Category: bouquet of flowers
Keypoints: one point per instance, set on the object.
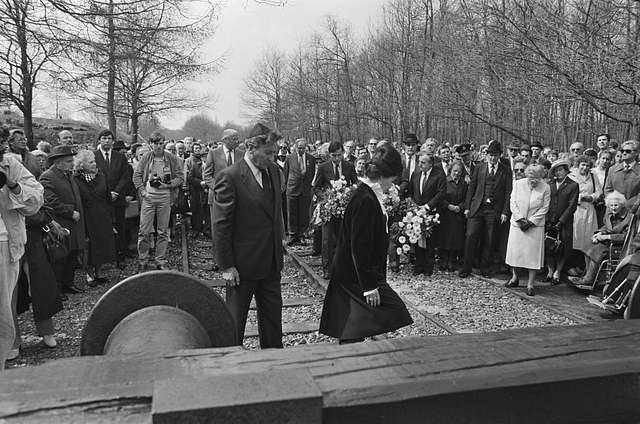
(416, 227)
(392, 201)
(333, 202)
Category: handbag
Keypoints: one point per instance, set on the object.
(55, 247)
(552, 245)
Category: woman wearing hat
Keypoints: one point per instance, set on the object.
(585, 222)
(359, 303)
(563, 204)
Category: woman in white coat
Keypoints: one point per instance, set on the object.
(529, 205)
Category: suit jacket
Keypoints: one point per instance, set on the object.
(247, 233)
(297, 183)
(216, 162)
(563, 204)
(501, 193)
(325, 174)
(434, 188)
(116, 173)
(62, 195)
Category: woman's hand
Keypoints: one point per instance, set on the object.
(373, 298)
(58, 230)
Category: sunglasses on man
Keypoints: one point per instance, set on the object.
(628, 151)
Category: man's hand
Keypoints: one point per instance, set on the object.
(75, 216)
(503, 218)
(466, 213)
(128, 198)
(231, 276)
(203, 184)
(114, 196)
(373, 298)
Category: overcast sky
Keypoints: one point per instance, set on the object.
(246, 28)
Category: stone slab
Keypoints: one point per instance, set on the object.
(279, 396)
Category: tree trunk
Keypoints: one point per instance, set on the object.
(27, 83)
(111, 73)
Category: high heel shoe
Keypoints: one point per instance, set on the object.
(530, 291)
(512, 283)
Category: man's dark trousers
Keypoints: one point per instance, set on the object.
(298, 215)
(425, 259)
(268, 304)
(482, 225)
(119, 224)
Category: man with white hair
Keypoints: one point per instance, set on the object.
(217, 159)
(624, 177)
(349, 150)
(65, 137)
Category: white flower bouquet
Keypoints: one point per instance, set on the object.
(416, 227)
(333, 202)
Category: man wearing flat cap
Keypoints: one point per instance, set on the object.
(486, 207)
(227, 154)
(62, 195)
(248, 230)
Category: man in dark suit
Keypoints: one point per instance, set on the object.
(248, 230)
(62, 196)
(299, 169)
(428, 186)
(409, 162)
(486, 207)
(333, 169)
(225, 155)
(113, 165)
(463, 152)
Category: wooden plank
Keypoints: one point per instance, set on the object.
(287, 328)
(511, 371)
(291, 302)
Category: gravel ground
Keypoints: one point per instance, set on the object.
(469, 305)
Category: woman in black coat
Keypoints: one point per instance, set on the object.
(450, 233)
(359, 303)
(563, 204)
(37, 282)
(96, 205)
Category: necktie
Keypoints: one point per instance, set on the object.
(493, 170)
(336, 172)
(265, 179)
(108, 160)
(301, 163)
(626, 167)
(229, 160)
(422, 178)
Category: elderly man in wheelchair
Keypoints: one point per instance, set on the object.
(621, 293)
(602, 257)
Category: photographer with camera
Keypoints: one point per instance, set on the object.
(157, 178)
(20, 195)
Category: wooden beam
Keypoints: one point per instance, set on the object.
(583, 373)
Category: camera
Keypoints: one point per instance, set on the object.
(155, 181)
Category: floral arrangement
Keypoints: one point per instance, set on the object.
(333, 202)
(392, 201)
(416, 227)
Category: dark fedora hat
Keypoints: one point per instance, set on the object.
(410, 138)
(525, 147)
(537, 144)
(495, 148)
(60, 151)
(514, 145)
(463, 149)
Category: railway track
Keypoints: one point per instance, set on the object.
(302, 296)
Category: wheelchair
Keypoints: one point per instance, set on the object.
(606, 269)
(621, 292)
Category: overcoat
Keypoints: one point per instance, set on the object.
(360, 265)
(563, 204)
(525, 249)
(116, 173)
(450, 232)
(96, 202)
(61, 194)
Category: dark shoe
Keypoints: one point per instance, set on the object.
(63, 297)
(101, 280)
(121, 265)
(512, 283)
(417, 271)
(530, 291)
(486, 272)
(92, 282)
(555, 281)
(547, 279)
(463, 273)
(71, 289)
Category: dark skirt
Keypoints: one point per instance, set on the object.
(102, 246)
(42, 289)
(449, 235)
(347, 316)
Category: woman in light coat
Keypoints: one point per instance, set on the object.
(585, 221)
(529, 205)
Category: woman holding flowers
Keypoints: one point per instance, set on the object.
(529, 205)
(359, 303)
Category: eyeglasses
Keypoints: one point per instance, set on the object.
(575, 150)
(519, 169)
(629, 151)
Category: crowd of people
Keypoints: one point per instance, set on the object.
(501, 210)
